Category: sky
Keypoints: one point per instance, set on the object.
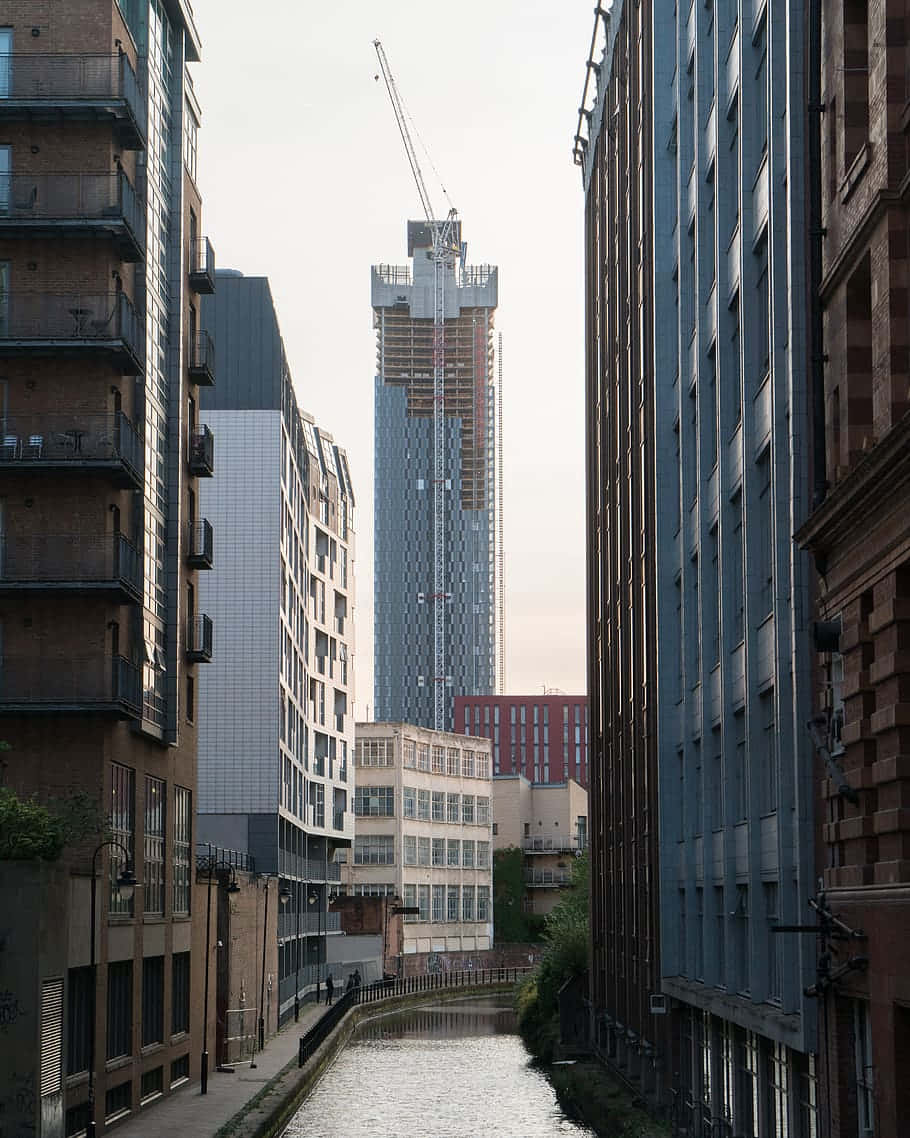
(304, 180)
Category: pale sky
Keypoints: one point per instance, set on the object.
(305, 181)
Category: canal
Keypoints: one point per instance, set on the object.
(454, 1070)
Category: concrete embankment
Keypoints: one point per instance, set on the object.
(269, 1112)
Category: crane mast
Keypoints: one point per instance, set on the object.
(444, 253)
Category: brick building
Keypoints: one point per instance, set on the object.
(544, 737)
(101, 264)
(859, 533)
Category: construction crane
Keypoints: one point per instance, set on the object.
(445, 252)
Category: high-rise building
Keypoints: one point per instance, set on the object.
(544, 737)
(859, 534)
(408, 543)
(276, 724)
(423, 834)
(101, 266)
(698, 440)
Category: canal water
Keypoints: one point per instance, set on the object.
(454, 1070)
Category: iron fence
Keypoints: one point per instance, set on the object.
(69, 438)
(75, 682)
(90, 317)
(70, 558)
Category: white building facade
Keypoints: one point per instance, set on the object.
(424, 832)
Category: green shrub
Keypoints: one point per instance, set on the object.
(30, 831)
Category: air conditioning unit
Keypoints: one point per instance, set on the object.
(659, 1004)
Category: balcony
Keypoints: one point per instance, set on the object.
(311, 924)
(72, 324)
(338, 819)
(70, 441)
(312, 869)
(199, 639)
(48, 205)
(551, 843)
(547, 878)
(43, 685)
(200, 545)
(71, 563)
(201, 362)
(202, 453)
(85, 88)
(202, 266)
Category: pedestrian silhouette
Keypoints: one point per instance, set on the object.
(329, 988)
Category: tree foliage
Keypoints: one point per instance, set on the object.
(30, 831)
(511, 924)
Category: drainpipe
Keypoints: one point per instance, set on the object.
(815, 109)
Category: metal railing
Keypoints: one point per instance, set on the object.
(201, 361)
(202, 452)
(551, 843)
(292, 865)
(475, 276)
(67, 438)
(202, 265)
(70, 558)
(311, 924)
(47, 682)
(199, 638)
(547, 878)
(393, 274)
(69, 80)
(94, 317)
(201, 543)
(72, 197)
(208, 855)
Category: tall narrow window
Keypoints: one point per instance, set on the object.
(760, 98)
(769, 752)
(762, 329)
(152, 1000)
(183, 830)
(742, 771)
(737, 577)
(123, 825)
(765, 528)
(180, 993)
(119, 1009)
(80, 993)
(865, 1072)
(153, 870)
(6, 177)
(6, 62)
(856, 78)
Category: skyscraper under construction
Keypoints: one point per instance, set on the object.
(436, 574)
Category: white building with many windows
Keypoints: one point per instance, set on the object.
(423, 832)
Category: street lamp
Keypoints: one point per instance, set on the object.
(297, 952)
(233, 887)
(126, 886)
(284, 896)
(312, 899)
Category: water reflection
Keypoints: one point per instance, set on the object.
(444, 1071)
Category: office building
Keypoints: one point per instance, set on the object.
(423, 833)
(544, 737)
(104, 641)
(859, 536)
(408, 543)
(276, 726)
(548, 822)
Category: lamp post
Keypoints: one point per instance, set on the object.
(297, 900)
(233, 887)
(312, 899)
(283, 896)
(126, 887)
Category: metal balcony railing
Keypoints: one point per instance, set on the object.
(72, 562)
(291, 865)
(40, 323)
(35, 86)
(199, 639)
(551, 843)
(72, 440)
(38, 684)
(202, 452)
(202, 266)
(547, 878)
(201, 363)
(201, 544)
(48, 204)
(393, 274)
(311, 924)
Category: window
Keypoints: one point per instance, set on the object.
(123, 824)
(423, 805)
(410, 902)
(765, 567)
(408, 802)
(119, 1009)
(79, 995)
(865, 1072)
(190, 700)
(118, 1101)
(483, 855)
(180, 1070)
(190, 143)
(439, 851)
(423, 851)
(5, 176)
(374, 849)
(317, 803)
(774, 943)
(180, 993)
(152, 1000)
(467, 764)
(742, 770)
(409, 753)
(737, 577)
(374, 801)
(423, 756)
(769, 753)
(482, 764)
(467, 855)
(439, 760)
(467, 902)
(439, 903)
(453, 807)
(183, 823)
(454, 851)
(153, 872)
(467, 809)
(377, 753)
(760, 101)
(483, 811)
(452, 899)
(483, 902)
(409, 849)
(6, 50)
(762, 331)
(151, 1085)
(453, 762)
(423, 902)
(439, 806)
(856, 78)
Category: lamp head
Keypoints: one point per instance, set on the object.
(126, 883)
(284, 895)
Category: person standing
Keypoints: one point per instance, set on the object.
(329, 988)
